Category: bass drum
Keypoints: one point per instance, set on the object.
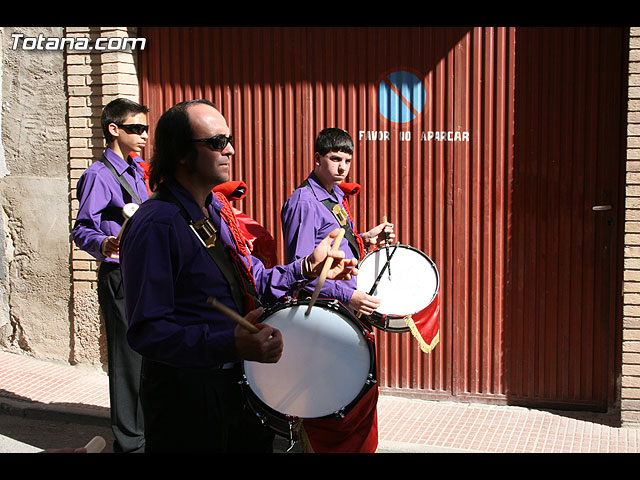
(327, 365)
(408, 285)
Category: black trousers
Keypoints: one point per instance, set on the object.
(124, 364)
(198, 411)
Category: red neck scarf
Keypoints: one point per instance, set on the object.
(352, 189)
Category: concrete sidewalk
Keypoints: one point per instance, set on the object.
(9, 445)
(405, 425)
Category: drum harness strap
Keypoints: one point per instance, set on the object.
(121, 180)
(342, 214)
(238, 276)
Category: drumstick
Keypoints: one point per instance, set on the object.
(95, 445)
(233, 315)
(127, 212)
(384, 267)
(325, 270)
(386, 243)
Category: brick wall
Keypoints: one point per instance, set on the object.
(630, 382)
(94, 78)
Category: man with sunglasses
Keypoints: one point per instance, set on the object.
(112, 181)
(181, 248)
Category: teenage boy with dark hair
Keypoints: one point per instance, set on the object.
(317, 206)
(115, 179)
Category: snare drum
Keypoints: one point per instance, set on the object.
(412, 287)
(327, 365)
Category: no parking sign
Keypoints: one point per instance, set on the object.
(401, 96)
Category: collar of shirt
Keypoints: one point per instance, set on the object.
(321, 193)
(212, 204)
(187, 201)
(121, 165)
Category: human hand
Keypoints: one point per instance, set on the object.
(377, 235)
(264, 346)
(340, 269)
(110, 247)
(363, 303)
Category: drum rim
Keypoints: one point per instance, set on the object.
(372, 378)
(429, 259)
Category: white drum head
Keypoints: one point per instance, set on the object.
(413, 285)
(324, 366)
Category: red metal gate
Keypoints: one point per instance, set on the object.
(449, 165)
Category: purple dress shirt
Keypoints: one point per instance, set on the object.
(101, 199)
(305, 223)
(168, 277)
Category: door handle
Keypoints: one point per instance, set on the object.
(601, 208)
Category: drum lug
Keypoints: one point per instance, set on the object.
(292, 441)
(243, 380)
(339, 413)
(371, 380)
(262, 419)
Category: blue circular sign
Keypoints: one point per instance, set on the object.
(401, 96)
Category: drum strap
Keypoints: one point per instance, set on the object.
(243, 291)
(342, 216)
(123, 182)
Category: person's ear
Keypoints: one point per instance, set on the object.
(114, 130)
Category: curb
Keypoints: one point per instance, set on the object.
(94, 416)
(59, 412)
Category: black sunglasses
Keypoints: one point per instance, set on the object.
(134, 128)
(217, 142)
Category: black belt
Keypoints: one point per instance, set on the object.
(164, 368)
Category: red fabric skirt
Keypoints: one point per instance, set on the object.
(357, 432)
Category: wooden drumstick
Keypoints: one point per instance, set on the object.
(127, 212)
(95, 445)
(325, 271)
(233, 315)
(386, 245)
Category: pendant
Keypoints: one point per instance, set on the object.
(206, 232)
(340, 214)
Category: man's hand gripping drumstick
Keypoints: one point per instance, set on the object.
(261, 342)
(326, 267)
(333, 265)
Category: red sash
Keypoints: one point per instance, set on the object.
(357, 432)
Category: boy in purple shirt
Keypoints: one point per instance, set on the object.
(306, 218)
(315, 208)
(103, 189)
(182, 247)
